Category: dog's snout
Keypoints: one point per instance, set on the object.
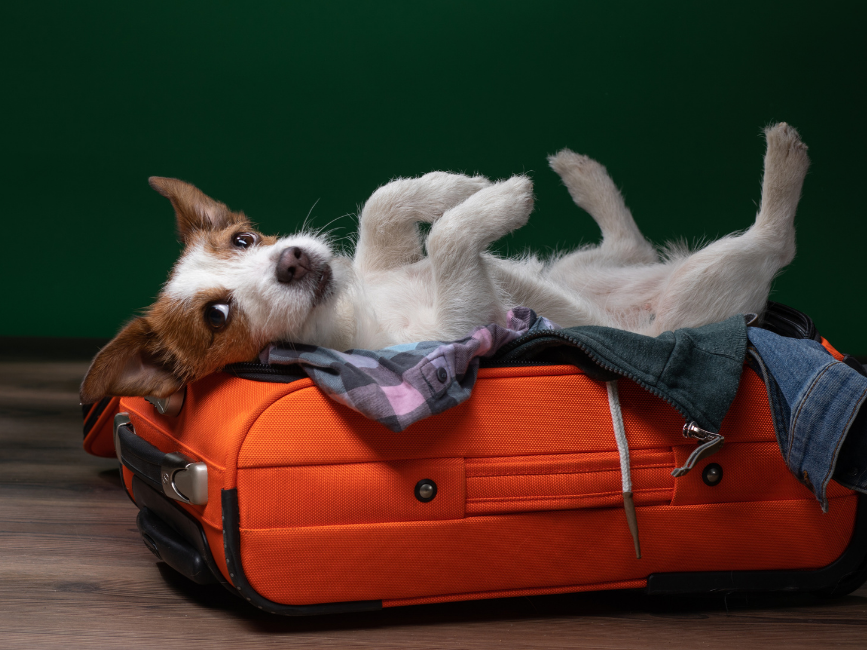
(293, 264)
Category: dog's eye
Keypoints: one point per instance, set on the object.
(244, 239)
(217, 315)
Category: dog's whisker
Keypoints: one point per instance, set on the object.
(306, 218)
(318, 231)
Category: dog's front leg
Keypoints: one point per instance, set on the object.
(593, 190)
(388, 234)
(466, 295)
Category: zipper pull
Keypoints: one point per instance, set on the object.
(709, 443)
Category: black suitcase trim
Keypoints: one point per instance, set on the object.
(844, 575)
(91, 413)
(232, 543)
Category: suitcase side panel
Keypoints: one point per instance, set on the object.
(394, 561)
(761, 519)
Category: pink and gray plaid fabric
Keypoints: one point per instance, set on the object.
(405, 383)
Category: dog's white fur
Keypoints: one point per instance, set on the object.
(395, 294)
(390, 292)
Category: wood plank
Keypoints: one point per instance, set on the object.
(75, 574)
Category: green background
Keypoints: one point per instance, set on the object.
(273, 107)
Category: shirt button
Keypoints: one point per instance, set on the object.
(442, 375)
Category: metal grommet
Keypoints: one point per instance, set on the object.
(442, 375)
(712, 474)
(425, 490)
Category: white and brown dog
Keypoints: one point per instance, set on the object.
(234, 290)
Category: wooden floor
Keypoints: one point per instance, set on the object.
(74, 573)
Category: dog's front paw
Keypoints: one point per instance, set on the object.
(506, 205)
(517, 195)
(442, 191)
(484, 217)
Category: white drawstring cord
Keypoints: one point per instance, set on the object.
(625, 473)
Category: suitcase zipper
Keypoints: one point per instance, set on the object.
(709, 443)
(250, 367)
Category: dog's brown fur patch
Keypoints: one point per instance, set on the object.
(156, 354)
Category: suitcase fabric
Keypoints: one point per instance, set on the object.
(312, 508)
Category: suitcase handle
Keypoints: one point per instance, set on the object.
(167, 545)
(173, 474)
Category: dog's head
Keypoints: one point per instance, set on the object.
(231, 292)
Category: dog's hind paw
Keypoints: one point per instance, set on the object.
(785, 147)
(567, 161)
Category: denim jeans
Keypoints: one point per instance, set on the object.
(815, 400)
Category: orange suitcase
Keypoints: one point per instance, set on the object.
(303, 506)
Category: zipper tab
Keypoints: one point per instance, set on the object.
(709, 443)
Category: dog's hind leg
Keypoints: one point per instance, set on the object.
(593, 190)
(388, 233)
(733, 275)
(465, 293)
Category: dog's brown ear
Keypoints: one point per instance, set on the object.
(194, 209)
(126, 367)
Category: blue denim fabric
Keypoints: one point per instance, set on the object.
(814, 400)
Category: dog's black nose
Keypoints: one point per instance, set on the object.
(292, 265)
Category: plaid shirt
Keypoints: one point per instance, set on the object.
(405, 383)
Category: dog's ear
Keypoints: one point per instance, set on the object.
(126, 367)
(194, 209)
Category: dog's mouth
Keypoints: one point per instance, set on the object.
(324, 286)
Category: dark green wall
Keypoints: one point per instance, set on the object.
(273, 107)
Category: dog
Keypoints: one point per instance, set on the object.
(234, 290)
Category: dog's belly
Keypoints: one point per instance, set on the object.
(404, 305)
(624, 297)
(622, 292)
